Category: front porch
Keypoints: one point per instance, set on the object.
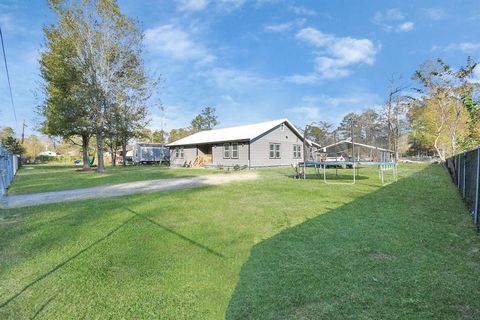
(204, 156)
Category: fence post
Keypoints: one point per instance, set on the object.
(457, 171)
(464, 192)
(475, 212)
(3, 184)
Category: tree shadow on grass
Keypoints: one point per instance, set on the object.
(43, 306)
(80, 218)
(181, 236)
(398, 252)
(61, 264)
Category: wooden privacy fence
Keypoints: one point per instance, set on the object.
(8, 169)
(465, 171)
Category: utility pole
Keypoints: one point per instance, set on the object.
(305, 143)
(353, 143)
(23, 131)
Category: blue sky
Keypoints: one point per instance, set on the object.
(261, 60)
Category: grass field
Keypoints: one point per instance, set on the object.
(42, 178)
(274, 248)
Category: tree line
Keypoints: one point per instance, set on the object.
(439, 116)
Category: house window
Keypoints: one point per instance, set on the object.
(226, 150)
(274, 150)
(235, 150)
(179, 152)
(297, 151)
(282, 127)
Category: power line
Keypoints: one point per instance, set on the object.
(8, 78)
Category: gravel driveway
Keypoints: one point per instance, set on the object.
(33, 199)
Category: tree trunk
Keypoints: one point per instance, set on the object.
(86, 162)
(101, 163)
(114, 156)
(435, 144)
(124, 152)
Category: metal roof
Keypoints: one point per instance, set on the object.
(358, 144)
(240, 133)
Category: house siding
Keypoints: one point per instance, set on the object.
(259, 148)
(253, 154)
(189, 154)
(217, 151)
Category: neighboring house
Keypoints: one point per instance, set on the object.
(266, 144)
(48, 154)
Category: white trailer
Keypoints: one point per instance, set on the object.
(150, 153)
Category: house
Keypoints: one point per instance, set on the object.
(265, 144)
(47, 154)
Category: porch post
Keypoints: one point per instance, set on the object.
(248, 154)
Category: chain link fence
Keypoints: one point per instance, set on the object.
(465, 171)
(8, 169)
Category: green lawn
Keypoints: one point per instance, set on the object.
(41, 178)
(274, 248)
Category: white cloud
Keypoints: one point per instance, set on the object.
(314, 37)
(434, 13)
(302, 11)
(392, 20)
(192, 5)
(230, 4)
(338, 54)
(467, 47)
(388, 15)
(303, 79)
(199, 5)
(331, 68)
(332, 108)
(174, 42)
(234, 80)
(406, 26)
(279, 27)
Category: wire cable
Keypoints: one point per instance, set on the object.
(8, 78)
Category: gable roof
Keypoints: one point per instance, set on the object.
(240, 133)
